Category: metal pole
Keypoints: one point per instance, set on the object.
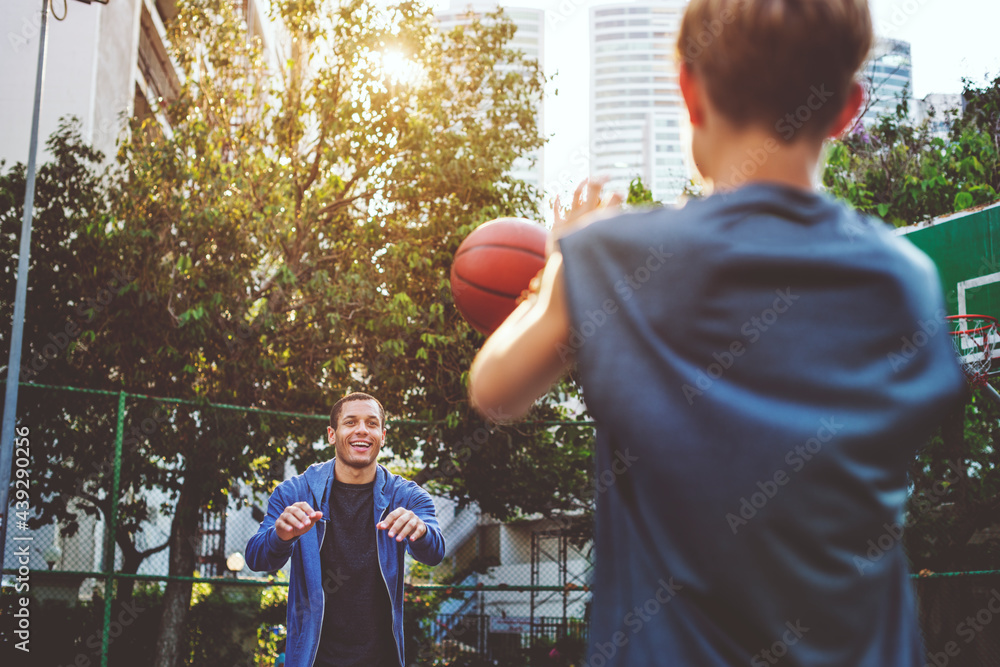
(20, 295)
(990, 393)
(564, 575)
(109, 537)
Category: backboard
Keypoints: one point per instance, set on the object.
(966, 249)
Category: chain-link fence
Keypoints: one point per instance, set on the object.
(112, 505)
(960, 618)
(122, 490)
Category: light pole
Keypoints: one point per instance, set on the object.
(20, 294)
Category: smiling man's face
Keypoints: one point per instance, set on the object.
(359, 434)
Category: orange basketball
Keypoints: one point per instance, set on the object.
(493, 266)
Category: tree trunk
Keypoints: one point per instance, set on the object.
(177, 598)
(131, 560)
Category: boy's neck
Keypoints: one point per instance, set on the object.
(749, 156)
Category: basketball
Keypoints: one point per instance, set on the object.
(492, 266)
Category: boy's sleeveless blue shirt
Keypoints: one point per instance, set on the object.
(762, 366)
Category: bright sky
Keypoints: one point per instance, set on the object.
(950, 39)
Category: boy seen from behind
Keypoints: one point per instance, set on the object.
(743, 350)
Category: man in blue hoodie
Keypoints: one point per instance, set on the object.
(345, 598)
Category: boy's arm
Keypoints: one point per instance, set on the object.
(530, 351)
(527, 354)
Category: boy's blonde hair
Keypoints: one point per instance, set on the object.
(781, 64)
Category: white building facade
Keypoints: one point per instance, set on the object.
(887, 77)
(636, 108)
(104, 65)
(530, 40)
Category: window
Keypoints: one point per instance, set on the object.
(632, 92)
(618, 117)
(603, 71)
(637, 46)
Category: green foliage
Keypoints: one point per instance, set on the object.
(906, 174)
(955, 494)
(420, 617)
(222, 626)
(288, 240)
(227, 625)
(639, 194)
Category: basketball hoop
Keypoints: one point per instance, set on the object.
(976, 341)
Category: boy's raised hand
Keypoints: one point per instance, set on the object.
(297, 519)
(586, 201)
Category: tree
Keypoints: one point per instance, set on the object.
(319, 209)
(70, 211)
(905, 174)
(288, 239)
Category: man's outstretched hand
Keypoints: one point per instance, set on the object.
(297, 519)
(403, 524)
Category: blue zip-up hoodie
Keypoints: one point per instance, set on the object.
(266, 552)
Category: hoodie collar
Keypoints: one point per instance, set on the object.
(321, 480)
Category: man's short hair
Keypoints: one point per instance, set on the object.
(761, 60)
(355, 396)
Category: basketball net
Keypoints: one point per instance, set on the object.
(976, 341)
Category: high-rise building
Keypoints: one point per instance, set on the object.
(530, 39)
(636, 109)
(887, 77)
(105, 64)
(939, 109)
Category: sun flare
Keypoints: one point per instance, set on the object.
(398, 68)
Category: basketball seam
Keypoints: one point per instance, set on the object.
(499, 245)
(487, 289)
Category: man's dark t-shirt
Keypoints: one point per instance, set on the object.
(357, 619)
